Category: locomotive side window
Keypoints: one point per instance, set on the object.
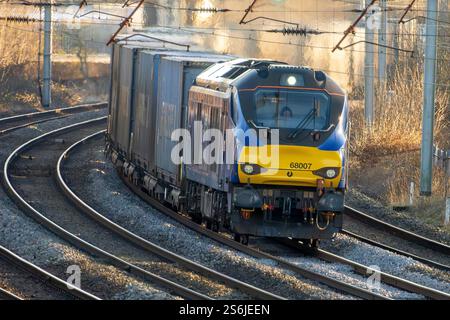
(235, 111)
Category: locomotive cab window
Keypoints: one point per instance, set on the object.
(289, 109)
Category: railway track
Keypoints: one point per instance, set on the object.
(358, 268)
(9, 124)
(6, 295)
(66, 227)
(29, 279)
(384, 277)
(27, 274)
(362, 293)
(328, 281)
(427, 251)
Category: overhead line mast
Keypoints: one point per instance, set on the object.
(426, 165)
(125, 22)
(47, 76)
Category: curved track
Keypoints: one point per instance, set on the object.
(361, 269)
(6, 295)
(114, 260)
(58, 288)
(9, 124)
(429, 262)
(384, 277)
(332, 283)
(425, 250)
(394, 281)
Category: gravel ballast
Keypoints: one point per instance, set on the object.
(388, 262)
(364, 203)
(33, 242)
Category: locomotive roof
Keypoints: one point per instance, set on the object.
(252, 73)
(197, 59)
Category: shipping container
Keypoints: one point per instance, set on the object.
(176, 75)
(121, 123)
(145, 103)
(114, 91)
(123, 80)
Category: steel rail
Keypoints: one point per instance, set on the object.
(17, 127)
(402, 233)
(384, 277)
(73, 239)
(150, 246)
(428, 262)
(6, 295)
(35, 115)
(43, 116)
(44, 276)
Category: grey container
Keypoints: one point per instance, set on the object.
(145, 105)
(176, 75)
(145, 102)
(122, 91)
(114, 92)
(122, 98)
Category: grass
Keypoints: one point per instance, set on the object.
(385, 158)
(19, 91)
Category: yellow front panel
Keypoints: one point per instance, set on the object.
(284, 169)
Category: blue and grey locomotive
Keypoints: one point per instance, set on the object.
(279, 132)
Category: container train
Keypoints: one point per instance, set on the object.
(283, 172)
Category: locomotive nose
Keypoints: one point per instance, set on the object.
(293, 165)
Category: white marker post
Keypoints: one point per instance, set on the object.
(411, 193)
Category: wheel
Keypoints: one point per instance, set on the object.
(244, 239)
(215, 226)
(197, 218)
(237, 237)
(208, 224)
(314, 244)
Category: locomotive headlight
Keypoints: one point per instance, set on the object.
(327, 173)
(291, 80)
(331, 173)
(252, 169)
(248, 169)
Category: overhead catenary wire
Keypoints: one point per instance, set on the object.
(377, 44)
(314, 32)
(166, 7)
(187, 29)
(351, 28)
(250, 38)
(125, 22)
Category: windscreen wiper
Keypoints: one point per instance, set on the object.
(302, 124)
(257, 126)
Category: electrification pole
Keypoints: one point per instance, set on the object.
(47, 88)
(426, 166)
(369, 71)
(382, 40)
(395, 42)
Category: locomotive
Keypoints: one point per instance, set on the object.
(279, 134)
